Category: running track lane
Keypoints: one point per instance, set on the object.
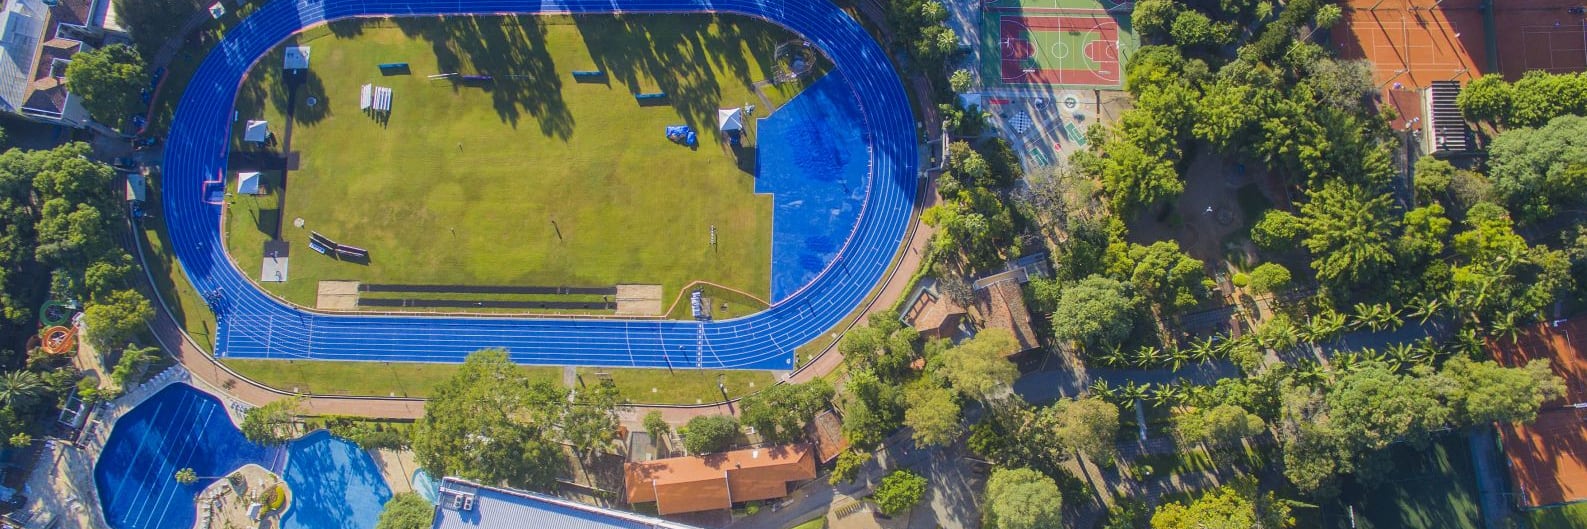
(255, 325)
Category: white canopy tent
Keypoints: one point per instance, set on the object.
(366, 95)
(248, 183)
(730, 119)
(257, 132)
(296, 58)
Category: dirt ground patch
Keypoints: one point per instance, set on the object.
(1207, 213)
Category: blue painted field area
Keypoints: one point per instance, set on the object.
(814, 159)
(334, 483)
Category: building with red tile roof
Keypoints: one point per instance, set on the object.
(718, 481)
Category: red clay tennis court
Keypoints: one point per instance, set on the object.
(1540, 35)
(1411, 43)
(1549, 457)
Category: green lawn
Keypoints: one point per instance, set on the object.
(534, 179)
(361, 378)
(1427, 489)
(680, 386)
(1573, 516)
(817, 523)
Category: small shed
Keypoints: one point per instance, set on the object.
(216, 10)
(296, 58)
(729, 119)
(248, 183)
(257, 131)
(136, 188)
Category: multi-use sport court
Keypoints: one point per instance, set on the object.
(850, 257)
(1073, 43)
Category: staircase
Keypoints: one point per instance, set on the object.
(1449, 130)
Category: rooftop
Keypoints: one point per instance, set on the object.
(717, 481)
(1000, 303)
(500, 508)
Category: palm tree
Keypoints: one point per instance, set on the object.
(1424, 308)
(1148, 356)
(1115, 357)
(1177, 357)
(186, 476)
(1100, 389)
(20, 387)
(1168, 395)
(1133, 392)
(1310, 372)
(1428, 349)
(1325, 325)
(1506, 326)
(1204, 350)
(1402, 353)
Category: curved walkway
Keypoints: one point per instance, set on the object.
(254, 324)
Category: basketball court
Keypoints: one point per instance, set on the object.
(1549, 456)
(1070, 43)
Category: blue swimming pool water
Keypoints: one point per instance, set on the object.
(813, 158)
(177, 428)
(335, 484)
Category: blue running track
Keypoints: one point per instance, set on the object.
(252, 324)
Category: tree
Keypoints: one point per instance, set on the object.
(1498, 278)
(406, 511)
(1537, 171)
(490, 423)
(1167, 276)
(1133, 176)
(1238, 506)
(1021, 498)
(1433, 177)
(1372, 406)
(1423, 238)
(185, 476)
(20, 389)
(271, 424)
(117, 319)
(107, 80)
(871, 408)
(1484, 392)
(848, 466)
(707, 434)
(932, 411)
(1097, 312)
(961, 80)
(589, 422)
(1277, 231)
(1221, 425)
(1348, 232)
(131, 364)
(1328, 15)
(1087, 426)
(980, 365)
(1539, 96)
(899, 491)
(1268, 277)
(655, 425)
(780, 412)
(1153, 17)
(1486, 99)
(1192, 29)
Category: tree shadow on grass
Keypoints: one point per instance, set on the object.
(510, 49)
(676, 54)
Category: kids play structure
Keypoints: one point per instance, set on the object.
(881, 143)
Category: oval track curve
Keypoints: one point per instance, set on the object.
(253, 324)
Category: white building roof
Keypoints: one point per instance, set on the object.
(730, 119)
(296, 58)
(248, 183)
(258, 131)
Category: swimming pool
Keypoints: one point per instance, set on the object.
(335, 484)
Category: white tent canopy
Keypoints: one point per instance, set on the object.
(296, 58)
(136, 190)
(366, 96)
(730, 119)
(248, 183)
(258, 131)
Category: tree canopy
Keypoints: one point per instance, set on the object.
(1537, 171)
(271, 424)
(108, 80)
(707, 434)
(1021, 498)
(489, 422)
(1096, 312)
(899, 490)
(1238, 506)
(406, 511)
(932, 412)
(980, 365)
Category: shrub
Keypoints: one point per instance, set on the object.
(899, 491)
